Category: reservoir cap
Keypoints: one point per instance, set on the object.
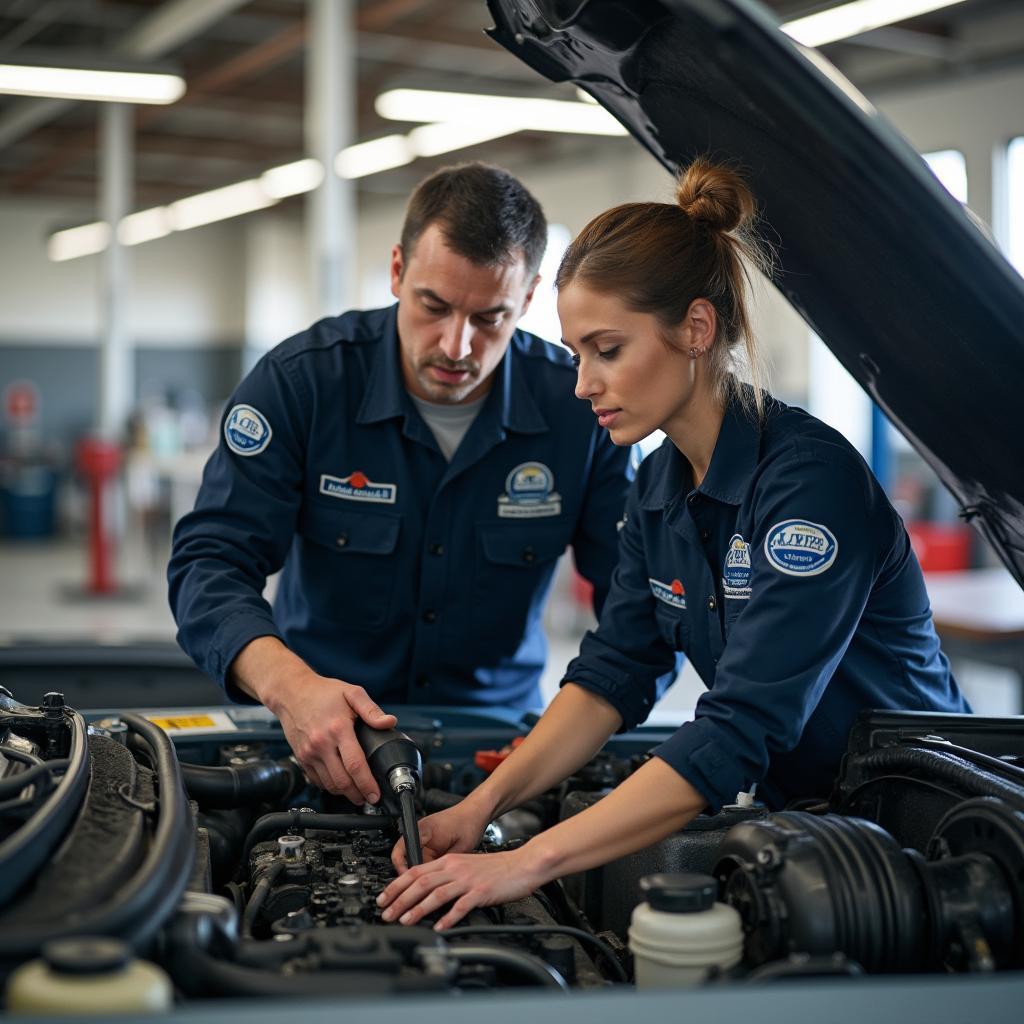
(679, 892)
(86, 955)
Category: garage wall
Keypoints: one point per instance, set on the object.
(187, 314)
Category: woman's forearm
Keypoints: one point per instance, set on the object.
(652, 803)
(570, 732)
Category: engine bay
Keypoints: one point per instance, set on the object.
(189, 844)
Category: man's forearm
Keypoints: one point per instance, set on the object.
(263, 667)
(570, 732)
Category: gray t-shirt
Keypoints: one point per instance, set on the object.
(448, 423)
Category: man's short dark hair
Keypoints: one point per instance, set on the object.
(485, 215)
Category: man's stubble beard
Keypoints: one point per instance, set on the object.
(449, 394)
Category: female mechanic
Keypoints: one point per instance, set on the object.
(755, 540)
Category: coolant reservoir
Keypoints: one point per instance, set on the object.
(88, 975)
(680, 933)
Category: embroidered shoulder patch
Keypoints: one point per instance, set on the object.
(799, 548)
(246, 430)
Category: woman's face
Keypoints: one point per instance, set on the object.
(636, 383)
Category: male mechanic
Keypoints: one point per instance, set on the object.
(416, 471)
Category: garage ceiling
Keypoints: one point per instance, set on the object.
(244, 65)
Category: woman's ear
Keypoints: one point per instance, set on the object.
(701, 323)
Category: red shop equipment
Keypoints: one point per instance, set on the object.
(941, 547)
(99, 462)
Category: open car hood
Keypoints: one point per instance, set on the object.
(882, 263)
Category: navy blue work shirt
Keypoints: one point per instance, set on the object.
(419, 579)
(789, 581)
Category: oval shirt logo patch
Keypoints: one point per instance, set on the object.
(246, 430)
(799, 548)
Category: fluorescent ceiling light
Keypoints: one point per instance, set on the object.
(854, 18)
(293, 179)
(219, 204)
(144, 226)
(371, 157)
(81, 241)
(279, 182)
(434, 139)
(89, 84)
(474, 108)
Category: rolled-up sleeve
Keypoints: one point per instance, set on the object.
(240, 529)
(624, 657)
(790, 636)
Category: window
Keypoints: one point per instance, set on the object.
(1015, 203)
(949, 166)
(542, 316)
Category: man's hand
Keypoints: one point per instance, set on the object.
(455, 830)
(317, 714)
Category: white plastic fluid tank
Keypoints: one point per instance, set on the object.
(679, 933)
(88, 975)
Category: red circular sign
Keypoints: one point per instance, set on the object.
(21, 403)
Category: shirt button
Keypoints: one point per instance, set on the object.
(342, 540)
(421, 682)
(705, 536)
(430, 615)
(529, 555)
(712, 602)
(436, 549)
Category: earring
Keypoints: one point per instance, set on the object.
(694, 351)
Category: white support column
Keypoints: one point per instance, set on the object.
(330, 126)
(117, 369)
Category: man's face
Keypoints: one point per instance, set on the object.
(455, 318)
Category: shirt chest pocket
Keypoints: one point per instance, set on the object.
(349, 562)
(673, 625)
(733, 609)
(513, 564)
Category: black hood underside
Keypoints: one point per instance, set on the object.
(881, 262)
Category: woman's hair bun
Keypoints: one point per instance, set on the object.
(716, 195)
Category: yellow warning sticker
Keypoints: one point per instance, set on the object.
(184, 722)
(193, 721)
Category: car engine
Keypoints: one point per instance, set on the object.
(200, 857)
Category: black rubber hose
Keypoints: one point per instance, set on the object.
(150, 896)
(29, 847)
(974, 756)
(281, 822)
(435, 800)
(410, 828)
(578, 934)
(948, 767)
(200, 974)
(14, 784)
(227, 786)
(259, 897)
(20, 755)
(525, 965)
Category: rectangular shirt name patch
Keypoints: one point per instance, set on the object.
(356, 487)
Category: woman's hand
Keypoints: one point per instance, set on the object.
(455, 830)
(469, 879)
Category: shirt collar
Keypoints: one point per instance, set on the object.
(386, 396)
(732, 464)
